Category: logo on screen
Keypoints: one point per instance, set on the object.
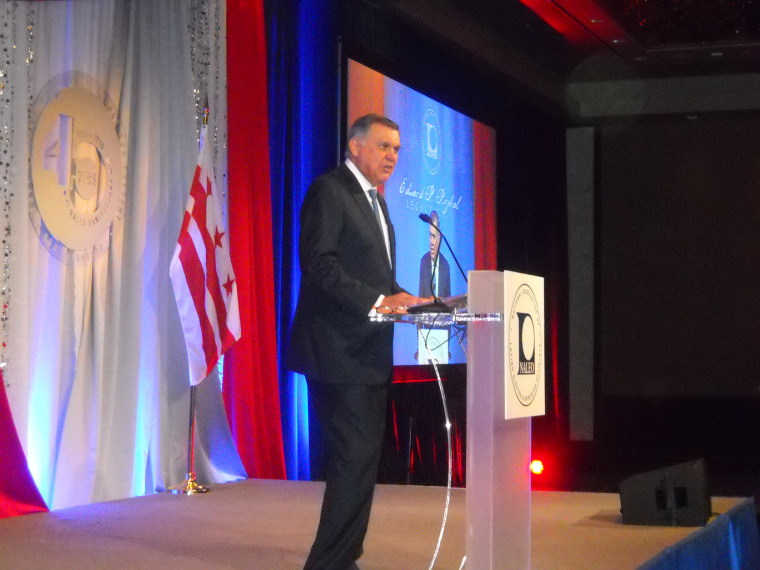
(431, 141)
(525, 345)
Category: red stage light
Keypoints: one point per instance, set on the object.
(536, 467)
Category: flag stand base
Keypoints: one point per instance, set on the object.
(189, 487)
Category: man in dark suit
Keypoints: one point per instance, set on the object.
(434, 264)
(347, 257)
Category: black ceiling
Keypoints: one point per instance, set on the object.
(604, 39)
(687, 37)
(662, 24)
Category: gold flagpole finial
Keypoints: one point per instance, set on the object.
(205, 111)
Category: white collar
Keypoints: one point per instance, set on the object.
(365, 184)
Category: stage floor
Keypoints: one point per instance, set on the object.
(266, 524)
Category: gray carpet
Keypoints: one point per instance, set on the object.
(270, 525)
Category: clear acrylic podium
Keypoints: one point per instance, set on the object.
(505, 387)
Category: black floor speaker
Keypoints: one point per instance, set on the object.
(672, 496)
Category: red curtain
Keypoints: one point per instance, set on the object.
(251, 390)
(18, 492)
(484, 149)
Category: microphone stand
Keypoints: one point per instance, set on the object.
(437, 304)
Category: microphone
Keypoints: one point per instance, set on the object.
(427, 219)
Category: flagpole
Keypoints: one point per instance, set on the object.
(190, 486)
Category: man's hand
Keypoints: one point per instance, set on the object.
(399, 302)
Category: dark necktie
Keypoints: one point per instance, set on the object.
(433, 280)
(376, 206)
(379, 218)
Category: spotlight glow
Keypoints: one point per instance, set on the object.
(536, 467)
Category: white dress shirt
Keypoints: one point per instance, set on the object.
(366, 186)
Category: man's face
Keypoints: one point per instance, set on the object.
(377, 154)
(435, 242)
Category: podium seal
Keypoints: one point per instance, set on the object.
(525, 345)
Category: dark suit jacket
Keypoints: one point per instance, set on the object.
(344, 269)
(444, 276)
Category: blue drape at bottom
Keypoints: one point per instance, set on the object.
(729, 541)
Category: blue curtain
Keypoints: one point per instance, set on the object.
(303, 68)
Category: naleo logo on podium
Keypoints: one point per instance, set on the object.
(524, 339)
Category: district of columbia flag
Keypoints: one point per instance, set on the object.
(202, 276)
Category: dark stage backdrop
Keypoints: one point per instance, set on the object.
(679, 255)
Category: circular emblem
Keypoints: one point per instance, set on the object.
(76, 168)
(431, 141)
(526, 345)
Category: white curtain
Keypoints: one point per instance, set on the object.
(96, 367)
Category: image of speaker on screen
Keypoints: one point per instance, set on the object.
(435, 280)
